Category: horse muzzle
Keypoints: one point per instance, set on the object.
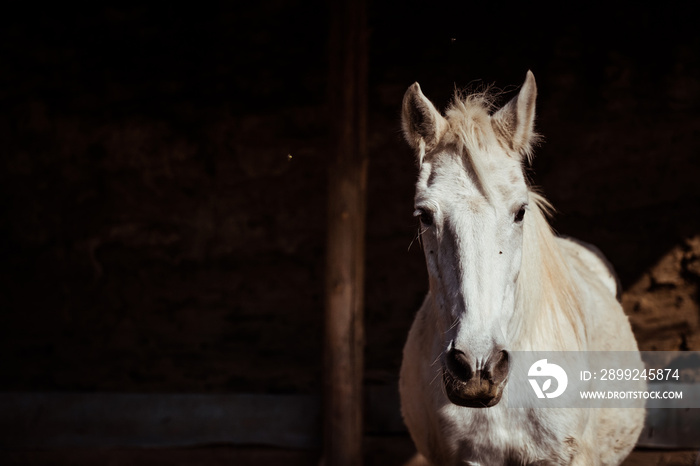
(480, 388)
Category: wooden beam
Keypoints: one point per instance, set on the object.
(345, 252)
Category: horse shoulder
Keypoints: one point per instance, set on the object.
(607, 325)
(594, 260)
(611, 433)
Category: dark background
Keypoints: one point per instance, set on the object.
(156, 235)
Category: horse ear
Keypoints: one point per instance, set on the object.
(515, 122)
(422, 124)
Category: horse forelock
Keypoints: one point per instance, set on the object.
(469, 131)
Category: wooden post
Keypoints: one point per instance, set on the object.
(345, 253)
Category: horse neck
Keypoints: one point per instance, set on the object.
(548, 311)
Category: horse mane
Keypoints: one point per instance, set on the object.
(547, 297)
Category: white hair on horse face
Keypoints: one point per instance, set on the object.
(475, 133)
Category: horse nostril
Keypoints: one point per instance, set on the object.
(499, 367)
(458, 365)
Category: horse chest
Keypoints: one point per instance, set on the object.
(500, 436)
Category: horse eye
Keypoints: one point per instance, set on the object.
(520, 215)
(426, 218)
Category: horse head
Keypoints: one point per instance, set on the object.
(472, 201)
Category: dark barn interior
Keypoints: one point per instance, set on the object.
(164, 198)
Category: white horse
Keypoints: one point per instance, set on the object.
(500, 281)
